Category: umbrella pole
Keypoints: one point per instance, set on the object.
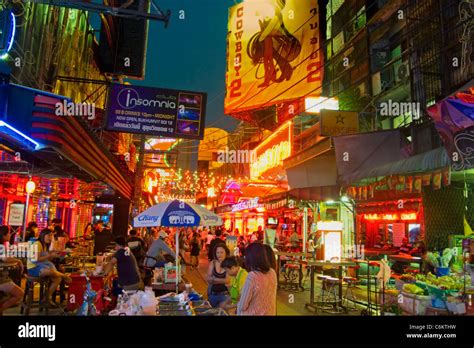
(178, 271)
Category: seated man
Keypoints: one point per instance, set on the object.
(127, 268)
(155, 256)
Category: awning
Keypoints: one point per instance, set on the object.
(322, 193)
(427, 161)
(64, 141)
(312, 167)
(361, 152)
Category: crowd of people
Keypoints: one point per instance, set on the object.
(240, 283)
(244, 283)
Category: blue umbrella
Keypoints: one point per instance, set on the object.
(177, 214)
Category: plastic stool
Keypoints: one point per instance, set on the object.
(332, 297)
(349, 295)
(323, 291)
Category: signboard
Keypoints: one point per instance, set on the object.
(250, 204)
(156, 111)
(273, 53)
(272, 151)
(329, 225)
(335, 122)
(16, 214)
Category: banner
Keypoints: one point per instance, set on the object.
(409, 184)
(437, 181)
(400, 183)
(271, 46)
(417, 184)
(426, 179)
(156, 111)
(447, 176)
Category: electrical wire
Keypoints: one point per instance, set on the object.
(306, 58)
(247, 72)
(344, 72)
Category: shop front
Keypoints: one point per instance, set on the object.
(244, 217)
(71, 168)
(386, 224)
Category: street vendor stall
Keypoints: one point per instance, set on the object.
(177, 214)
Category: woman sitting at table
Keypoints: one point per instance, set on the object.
(40, 265)
(7, 286)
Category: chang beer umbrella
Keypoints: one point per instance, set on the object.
(177, 214)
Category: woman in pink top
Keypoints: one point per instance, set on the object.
(259, 293)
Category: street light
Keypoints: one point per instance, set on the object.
(30, 188)
(345, 199)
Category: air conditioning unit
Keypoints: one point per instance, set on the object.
(402, 73)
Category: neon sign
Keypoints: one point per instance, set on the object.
(409, 216)
(250, 204)
(272, 151)
(8, 30)
(391, 217)
(6, 128)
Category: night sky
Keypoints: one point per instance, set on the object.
(191, 53)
